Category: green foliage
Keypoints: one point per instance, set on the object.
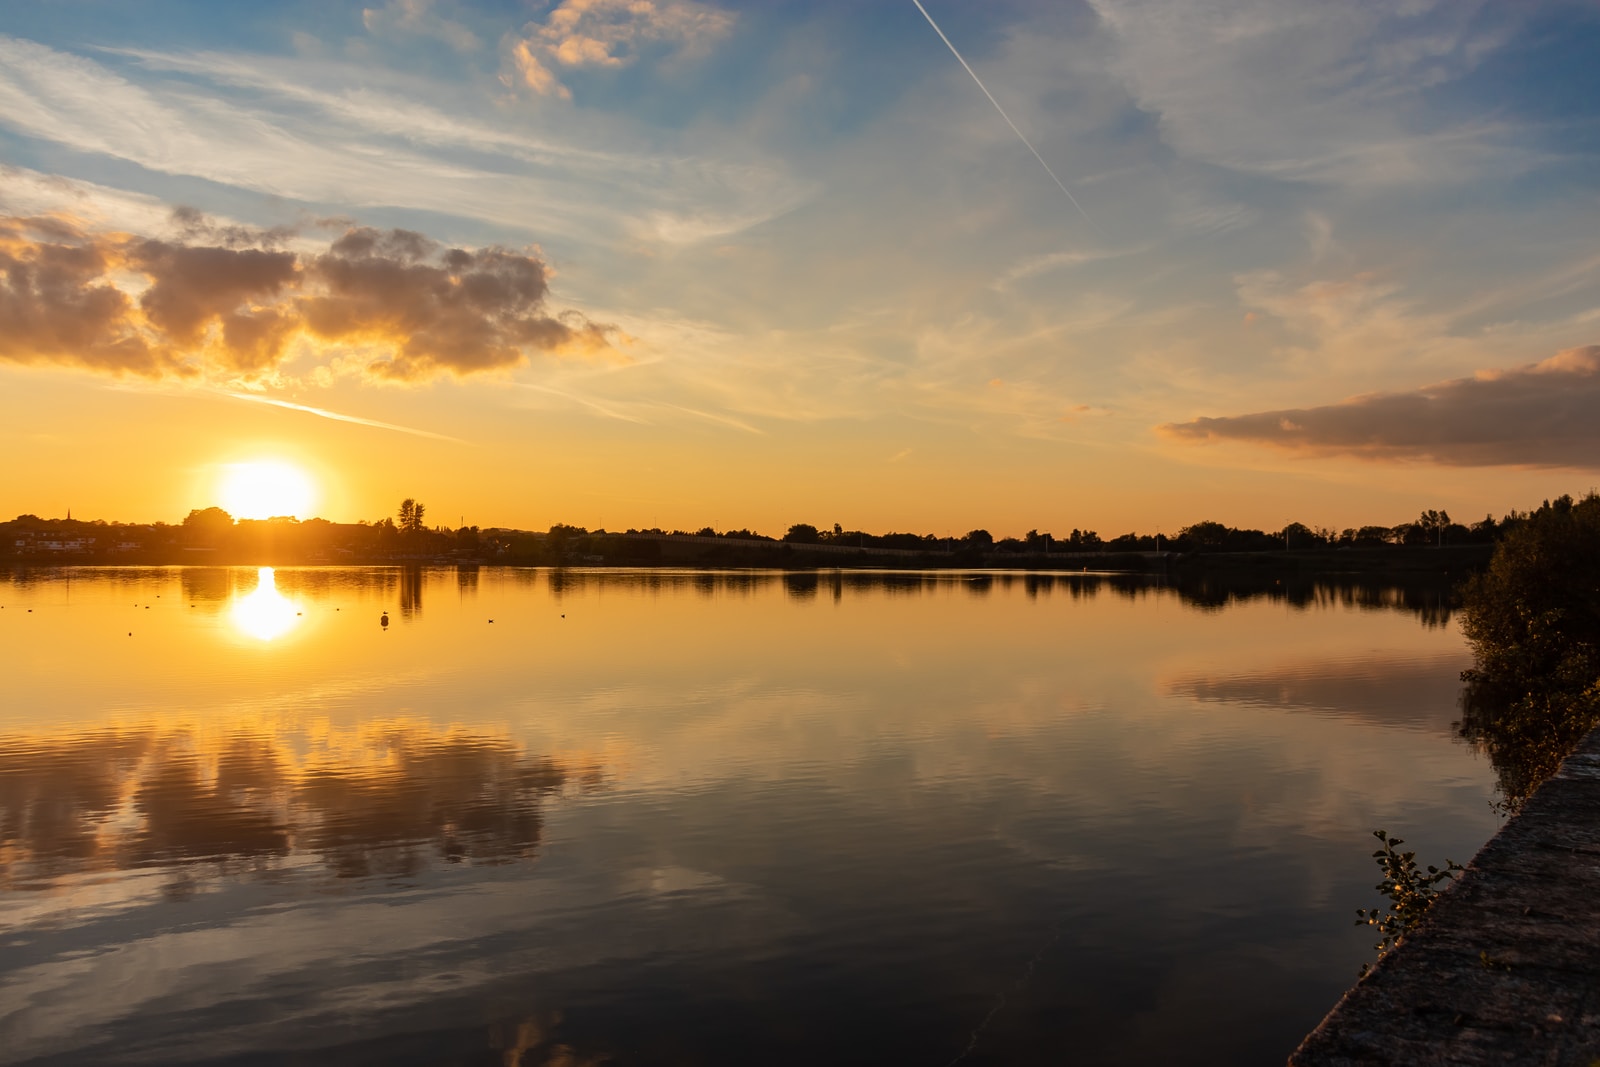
(1411, 893)
(1533, 621)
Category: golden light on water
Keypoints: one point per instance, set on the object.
(264, 613)
(266, 489)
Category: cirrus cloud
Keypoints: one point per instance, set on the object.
(209, 304)
(1539, 415)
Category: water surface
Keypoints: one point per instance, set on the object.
(572, 817)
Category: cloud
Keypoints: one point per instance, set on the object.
(438, 310)
(610, 33)
(417, 17)
(324, 134)
(126, 304)
(1539, 415)
(58, 305)
(1334, 93)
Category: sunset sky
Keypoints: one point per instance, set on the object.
(645, 263)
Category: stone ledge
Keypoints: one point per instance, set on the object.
(1506, 968)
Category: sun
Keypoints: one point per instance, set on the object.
(265, 489)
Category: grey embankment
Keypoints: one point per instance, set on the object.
(1506, 968)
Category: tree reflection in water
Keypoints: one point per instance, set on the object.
(385, 798)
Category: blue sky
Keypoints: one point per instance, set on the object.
(796, 267)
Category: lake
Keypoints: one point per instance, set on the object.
(665, 817)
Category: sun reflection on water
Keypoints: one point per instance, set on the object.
(265, 613)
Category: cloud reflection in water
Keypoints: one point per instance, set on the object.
(383, 798)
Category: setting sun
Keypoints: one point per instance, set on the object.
(265, 489)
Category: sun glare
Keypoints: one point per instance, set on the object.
(265, 489)
(264, 613)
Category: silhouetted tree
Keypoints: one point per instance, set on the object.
(1207, 534)
(207, 526)
(411, 515)
(1533, 621)
(803, 533)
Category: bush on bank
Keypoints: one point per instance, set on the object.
(1533, 622)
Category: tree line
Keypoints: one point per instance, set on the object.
(212, 532)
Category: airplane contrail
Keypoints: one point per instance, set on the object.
(1020, 135)
(337, 417)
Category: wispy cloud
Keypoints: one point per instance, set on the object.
(1053, 261)
(1540, 415)
(418, 17)
(362, 147)
(1304, 91)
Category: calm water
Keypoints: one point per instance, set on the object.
(668, 818)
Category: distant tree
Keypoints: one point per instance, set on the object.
(1084, 540)
(411, 516)
(1297, 535)
(207, 526)
(979, 538)
(1431, 525)
(1207, 534)
(802, 533)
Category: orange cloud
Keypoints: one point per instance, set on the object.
(207, 305)
(1538, 415)
(610, 33)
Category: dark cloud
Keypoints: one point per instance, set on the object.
(231, 300)
(195, 286)
(57, 304)
(448, 309)
(1540, 415)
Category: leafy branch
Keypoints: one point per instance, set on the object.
(1411, 893)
